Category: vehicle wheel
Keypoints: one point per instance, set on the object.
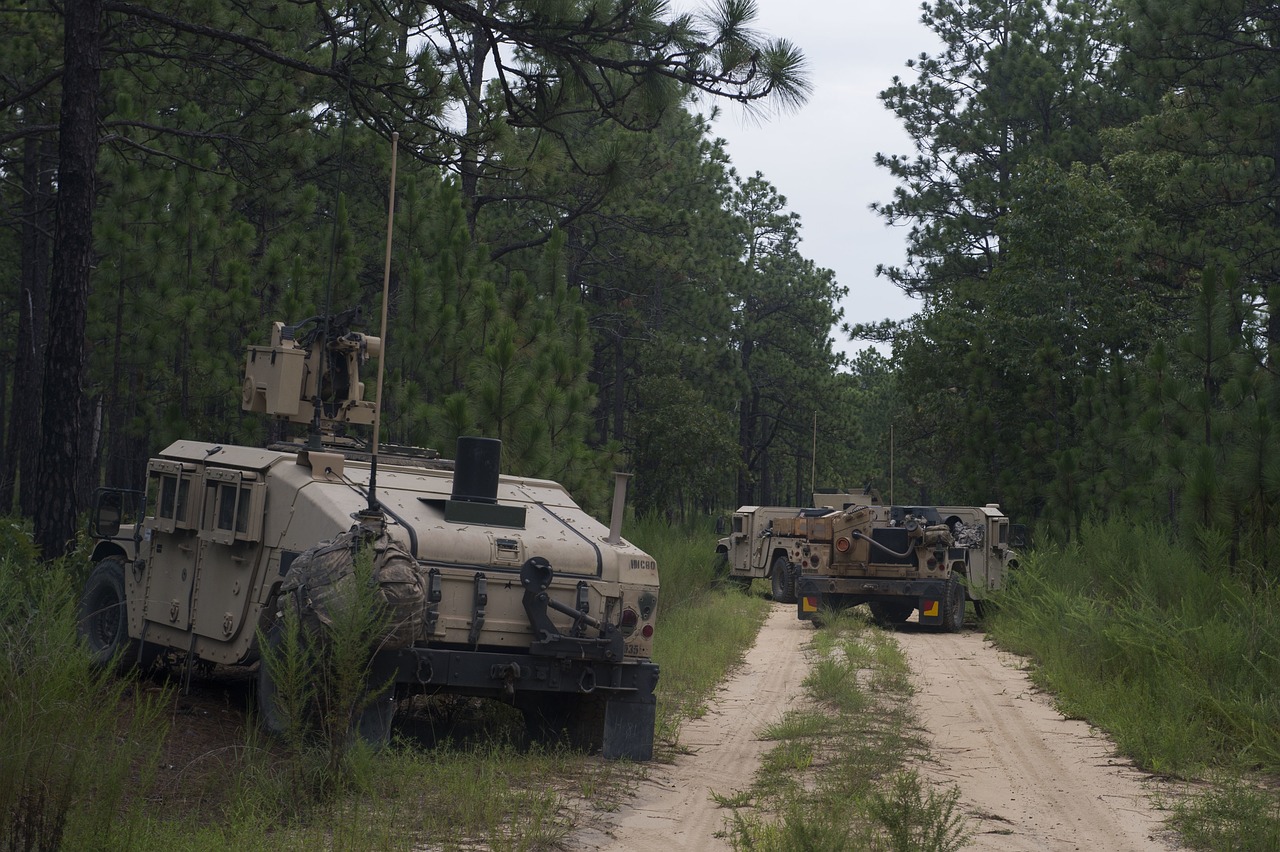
(953, 615)
(982, 609)
(270, 715)
(890, 614)
(373, 726)
(103, 621)
(783, 581)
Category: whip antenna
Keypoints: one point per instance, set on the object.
(382, 356)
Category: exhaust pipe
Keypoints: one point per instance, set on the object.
(619, 506)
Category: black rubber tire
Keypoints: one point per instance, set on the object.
(103, 620)
(782, 580)
(269, 715)
(953, 609)
(373, 726)
(890, 614)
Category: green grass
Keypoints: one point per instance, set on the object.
(836, 778)
(1178, 664)
(69, 764)
(704, 627)
(77, 773)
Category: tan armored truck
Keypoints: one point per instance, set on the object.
(901, 559)
(752, 548)
(502, 586)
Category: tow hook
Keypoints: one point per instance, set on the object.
(508, 673)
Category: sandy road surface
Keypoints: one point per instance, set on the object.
(672, 809)
(1029, 779)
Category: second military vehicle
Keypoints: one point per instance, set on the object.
(494, 585)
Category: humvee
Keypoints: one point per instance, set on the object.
(520, 594)
(752, 549)
(903, 559)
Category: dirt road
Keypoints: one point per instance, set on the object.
(672, 809)
(1029, 779)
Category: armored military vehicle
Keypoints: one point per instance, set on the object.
(498, 585)
(901, 559)
(752, 550)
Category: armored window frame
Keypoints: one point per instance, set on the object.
(169, 495)
(233, 506)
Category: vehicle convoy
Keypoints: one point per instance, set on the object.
(850, 550)
(492, 585)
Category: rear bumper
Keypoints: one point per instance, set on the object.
(816, 592)
(498, 674)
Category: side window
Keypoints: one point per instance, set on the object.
(233, 506)
(737, 523)
(168, 495)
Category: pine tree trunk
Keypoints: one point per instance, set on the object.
(58, 501)
(22, 441)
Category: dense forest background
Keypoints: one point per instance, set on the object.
(579, 270)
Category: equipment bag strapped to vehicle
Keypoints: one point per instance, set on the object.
(321, 579)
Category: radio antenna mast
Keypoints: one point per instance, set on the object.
(382, 356)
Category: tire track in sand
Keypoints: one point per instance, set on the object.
(1030, 780)
(672, 808)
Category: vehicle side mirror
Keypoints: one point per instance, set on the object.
(109, 510)
(106, 517)
(722, 525)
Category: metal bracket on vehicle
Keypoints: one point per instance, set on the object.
(584, 607)
(535, 576)
(479, 602)
(433, 600)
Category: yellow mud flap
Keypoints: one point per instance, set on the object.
(807, 606)
(930, 611)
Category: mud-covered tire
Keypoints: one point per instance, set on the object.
(890, 614)
(953, 611)
(782, 580)
(103, 620)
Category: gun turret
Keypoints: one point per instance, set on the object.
(299, 369)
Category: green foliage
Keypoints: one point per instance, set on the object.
(70, 761)
(322, 683)
(1175, 662)
(1233, 816)
(702, 630)
(917, 818)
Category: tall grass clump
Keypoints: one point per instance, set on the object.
(703, 629)
(70, 761)
(1179, 664)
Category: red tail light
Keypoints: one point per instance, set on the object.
(629, 620)
(842, 544)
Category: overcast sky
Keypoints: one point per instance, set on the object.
(822, 157)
